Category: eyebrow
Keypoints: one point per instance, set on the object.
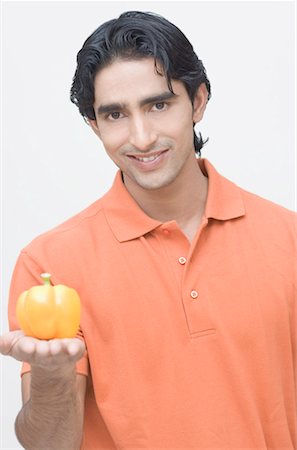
(112, 107)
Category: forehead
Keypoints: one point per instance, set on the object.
(130, 80)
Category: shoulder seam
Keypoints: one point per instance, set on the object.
(57, 229)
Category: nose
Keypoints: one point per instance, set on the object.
(142, 134)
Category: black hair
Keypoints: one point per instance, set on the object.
(136, 35)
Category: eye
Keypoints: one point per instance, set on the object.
(160, 106)
(114, 115)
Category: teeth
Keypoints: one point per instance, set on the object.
(147, 159)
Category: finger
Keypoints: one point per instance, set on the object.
(56, 347)
(8, 340)
(21, 347)
(24, 349)
(26, 346)
(75, 347)
(42, 349)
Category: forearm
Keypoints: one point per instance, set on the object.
(50, 420)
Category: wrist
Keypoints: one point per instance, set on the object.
(52, 371)
(52, 386)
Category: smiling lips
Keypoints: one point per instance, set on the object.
(147, 159)
(149, 162)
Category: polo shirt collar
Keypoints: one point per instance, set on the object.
(125, 217)
(224, 200)
(128, 221)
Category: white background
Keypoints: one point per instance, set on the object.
(54, 166)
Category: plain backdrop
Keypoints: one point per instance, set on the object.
(54, 166)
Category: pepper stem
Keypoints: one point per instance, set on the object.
(46, 278)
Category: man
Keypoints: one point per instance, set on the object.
(188, 327)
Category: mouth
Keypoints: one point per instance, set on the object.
(150, 161)
(149, 158)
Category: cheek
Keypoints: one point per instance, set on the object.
(182, 130)
(180, 122)
(112, 139)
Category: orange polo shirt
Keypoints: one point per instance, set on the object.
(190, 346)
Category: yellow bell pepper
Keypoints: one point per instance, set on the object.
(48, 312)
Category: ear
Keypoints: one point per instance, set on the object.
(93, 124)
(200, 102)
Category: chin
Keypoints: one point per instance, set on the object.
(154, 183)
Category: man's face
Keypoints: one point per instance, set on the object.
(146, 130)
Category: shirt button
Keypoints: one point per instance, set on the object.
(166, 232)
(194, 294)
(182, 260)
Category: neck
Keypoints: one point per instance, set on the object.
(183, 200)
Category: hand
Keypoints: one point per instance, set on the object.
(51, 354)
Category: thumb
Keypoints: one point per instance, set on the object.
(8, 340)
